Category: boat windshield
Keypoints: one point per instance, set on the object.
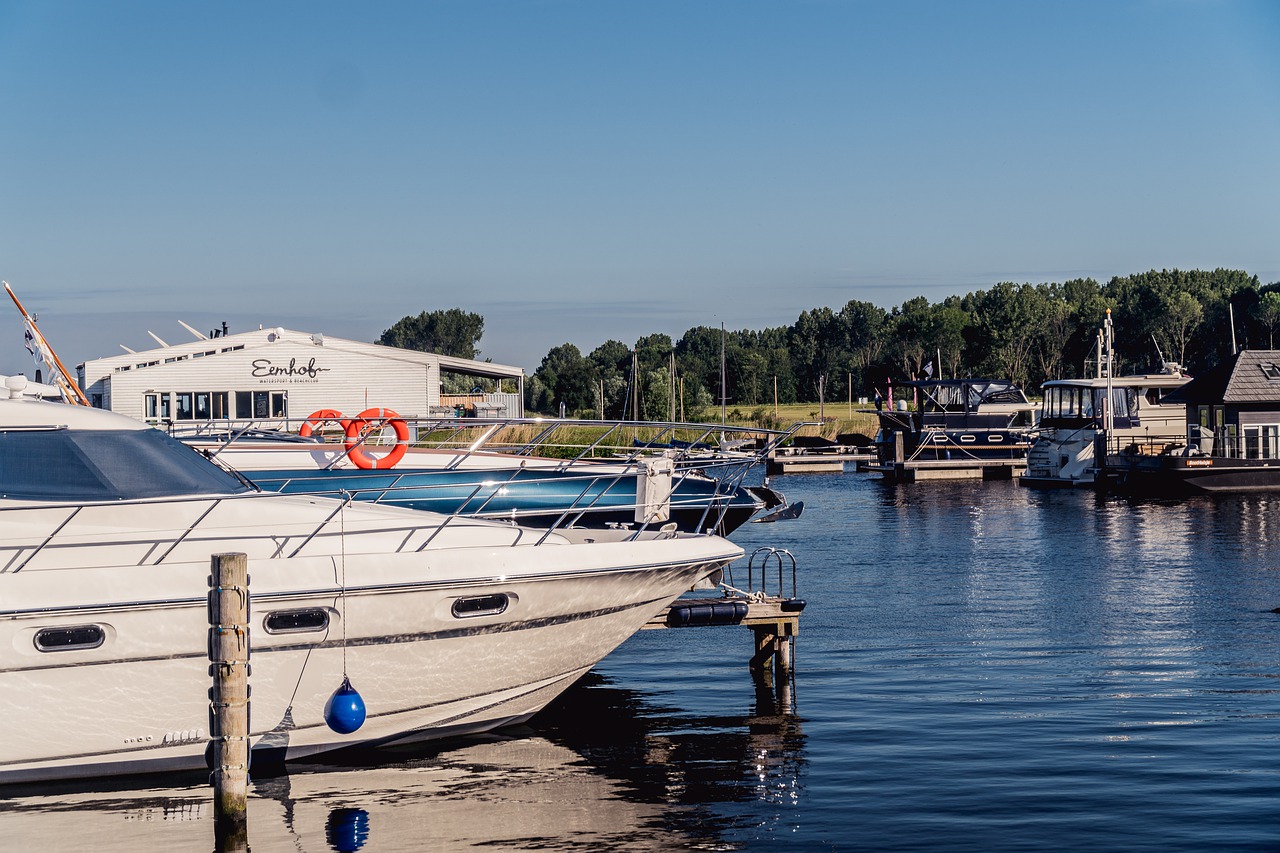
(1082, 403)
(969, 395)
(97, 465)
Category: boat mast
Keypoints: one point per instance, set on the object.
(1110, 422)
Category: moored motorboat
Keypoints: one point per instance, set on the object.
(956, 421)
(1073, 417)
(699, 493)
(445, 624)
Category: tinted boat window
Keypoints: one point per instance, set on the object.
(481, 605)
(296, 621)
(67, 639)
(96, 465)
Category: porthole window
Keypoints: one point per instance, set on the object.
(995, 439)
(968, 439)
(296, 621)
(70, 638)
(480, 605)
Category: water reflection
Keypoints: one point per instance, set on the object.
(604, 767)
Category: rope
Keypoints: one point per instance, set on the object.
(342, 573)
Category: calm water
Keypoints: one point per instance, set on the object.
(980, 667)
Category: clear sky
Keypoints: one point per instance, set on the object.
(579, 170)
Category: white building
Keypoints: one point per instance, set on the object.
(278, 373)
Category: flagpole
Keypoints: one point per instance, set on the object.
(68, 385)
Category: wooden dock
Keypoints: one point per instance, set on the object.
(793, 460)
(774, 619)
(912, 471)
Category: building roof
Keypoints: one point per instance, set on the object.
(1251, 376)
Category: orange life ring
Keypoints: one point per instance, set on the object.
(319, 418)
(366, 422)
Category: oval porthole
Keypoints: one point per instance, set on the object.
(968, 439)
(480, 605)
(296, 621)
(70, 638)
(995, 439)
(939, 439)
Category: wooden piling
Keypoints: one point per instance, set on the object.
(229, 696)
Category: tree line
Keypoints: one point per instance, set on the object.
(1029, 333)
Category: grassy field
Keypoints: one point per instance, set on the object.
(836, 418)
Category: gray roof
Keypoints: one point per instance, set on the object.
(1253, 376)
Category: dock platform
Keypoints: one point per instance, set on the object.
(949, 469)
(774, 619)
(792, 460)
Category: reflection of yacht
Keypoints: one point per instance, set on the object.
(958, 419)
(601, 767)
(497, 793)
(1073, 414)
(445, 624)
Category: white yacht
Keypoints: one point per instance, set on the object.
(445, 625)
(1073, 417)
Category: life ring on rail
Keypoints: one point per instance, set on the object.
(317, 419)
(365, 423)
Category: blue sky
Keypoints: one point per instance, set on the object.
(579, 171)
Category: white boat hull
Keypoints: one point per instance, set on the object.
(139, 702)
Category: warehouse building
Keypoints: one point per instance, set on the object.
(280, 374)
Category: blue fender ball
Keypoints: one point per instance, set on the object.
(344, 712)
(347, 829)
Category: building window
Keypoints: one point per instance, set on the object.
(261, 405)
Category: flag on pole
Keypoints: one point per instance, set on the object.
(36, 344)
(29, 340)
(928, 369)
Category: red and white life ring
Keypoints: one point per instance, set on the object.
(317, 419)
(373, 420)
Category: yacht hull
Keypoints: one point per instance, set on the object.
(139, 701)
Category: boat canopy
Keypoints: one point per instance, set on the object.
(961, 395)
(72, 465)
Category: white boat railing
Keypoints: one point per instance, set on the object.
(571, 441)
(583, 492)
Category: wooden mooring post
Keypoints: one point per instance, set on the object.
(229, 696)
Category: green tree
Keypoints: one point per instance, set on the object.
(1267, 312)
(451, 332)
(1181, 315)
(564, 377)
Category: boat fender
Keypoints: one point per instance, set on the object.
(364, 423)
(317, 419)
(345, 711)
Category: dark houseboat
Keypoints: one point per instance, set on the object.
(1232, 437)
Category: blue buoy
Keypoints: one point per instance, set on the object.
(347, 829)
(344, 712)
